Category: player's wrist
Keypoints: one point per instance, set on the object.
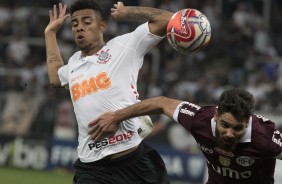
(49, 32)
(118, 116)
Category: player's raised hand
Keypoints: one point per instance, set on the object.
(105, 125)
(56, 21)
(117, 12)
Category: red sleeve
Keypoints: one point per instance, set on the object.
(187, 114)
(267, 137)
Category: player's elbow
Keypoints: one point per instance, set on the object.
(162, 19)
(158, 26)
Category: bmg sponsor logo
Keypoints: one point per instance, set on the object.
(90, 86)
(111, 141)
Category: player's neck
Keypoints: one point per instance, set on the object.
(92, 51)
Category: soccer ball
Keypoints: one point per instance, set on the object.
(188, 31)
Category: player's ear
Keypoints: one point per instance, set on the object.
(247, 122)
(103, 25)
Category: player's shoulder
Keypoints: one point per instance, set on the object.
(123, 38)
(76, 56)
(263, 132)
(261, 124)
(190, 110)
(208, 110)
(119, 40)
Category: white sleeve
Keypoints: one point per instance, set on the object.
(63, 75)
(279, 156)
(142, 40)
(176, 112)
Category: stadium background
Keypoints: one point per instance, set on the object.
(37, 124)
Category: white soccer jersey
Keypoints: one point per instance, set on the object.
(106, 81)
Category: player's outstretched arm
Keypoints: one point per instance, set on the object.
(157, 18)
(107, 124)
(54, 59)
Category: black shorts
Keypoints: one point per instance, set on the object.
(142, 166)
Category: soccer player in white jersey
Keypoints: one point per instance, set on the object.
(102, 77)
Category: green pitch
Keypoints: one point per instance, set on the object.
(23, 176)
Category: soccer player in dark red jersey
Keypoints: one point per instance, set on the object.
(240, 147)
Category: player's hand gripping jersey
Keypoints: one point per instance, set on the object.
(106, 82)
(254, 157)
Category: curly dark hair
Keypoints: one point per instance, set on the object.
(239, 102)
(88, 4)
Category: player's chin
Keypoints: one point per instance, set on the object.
(229, 147)
(83, 46)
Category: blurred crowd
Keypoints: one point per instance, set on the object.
(245, 51)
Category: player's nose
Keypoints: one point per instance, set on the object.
(79, 27)
(230, 134)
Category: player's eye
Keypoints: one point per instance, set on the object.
(87, 21)
(224, 125)
(74, 24)
(238, 128)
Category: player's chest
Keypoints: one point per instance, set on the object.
(222, 158)
(230, 164)
(244, 155)
(242, 158)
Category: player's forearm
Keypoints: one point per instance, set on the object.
(54, 59)
(135, 13)
(157, 105)
(158, 19)
(145, 107)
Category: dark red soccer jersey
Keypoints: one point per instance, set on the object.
(253, 160)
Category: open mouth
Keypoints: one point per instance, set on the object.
(80, 38)
(228, 143)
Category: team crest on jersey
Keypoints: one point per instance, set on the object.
(104, 57)
(245, 161)
(224, 161)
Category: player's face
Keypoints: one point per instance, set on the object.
(87, 30)
(228, 131)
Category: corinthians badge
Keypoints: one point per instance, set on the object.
(104, 57)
